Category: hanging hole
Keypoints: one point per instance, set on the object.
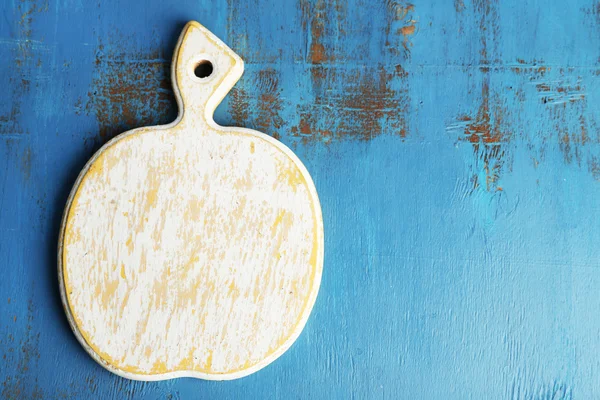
(203, 69)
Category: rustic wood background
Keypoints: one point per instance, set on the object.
(455, 146)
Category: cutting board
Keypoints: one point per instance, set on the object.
(191, 249)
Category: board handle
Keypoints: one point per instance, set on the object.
(203, 71)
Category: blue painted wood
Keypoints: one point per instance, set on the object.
(455, 147)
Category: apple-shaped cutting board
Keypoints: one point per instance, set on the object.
(191, 249)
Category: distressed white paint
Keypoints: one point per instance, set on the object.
(191, 249)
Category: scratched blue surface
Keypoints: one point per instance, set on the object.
(455, 147)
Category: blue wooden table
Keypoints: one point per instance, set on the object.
(455, 146)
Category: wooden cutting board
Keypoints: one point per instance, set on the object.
(191, 249)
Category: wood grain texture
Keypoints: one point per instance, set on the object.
(191, 249)
(458, 177)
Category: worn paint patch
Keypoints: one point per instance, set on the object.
(567, 109)
(26, 163)
(535, 68)
(265, 99)
(560, 99)
(488, 137)
(593, 11)
(495, 126)
(485, 131)
(352, 101)
(322, 20)
(328, 25)
(22, 50)
(317, 53)
(400, 23)
(130, 88)
(486, 12)
(354, 104)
